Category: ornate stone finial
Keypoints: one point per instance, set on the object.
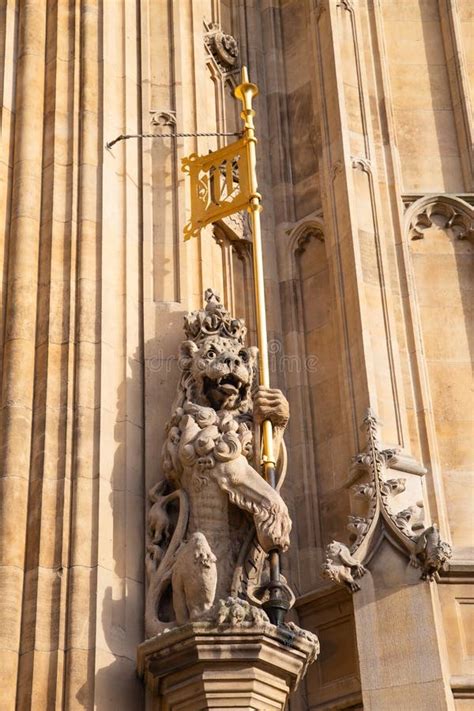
(405, 526)
(213, 320)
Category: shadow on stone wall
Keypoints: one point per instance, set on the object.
(119, 626)
(143, 406)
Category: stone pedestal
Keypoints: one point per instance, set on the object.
(200, 666)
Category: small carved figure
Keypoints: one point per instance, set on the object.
(235, 611)
(158, 519)
(431, 553)
(341, 567)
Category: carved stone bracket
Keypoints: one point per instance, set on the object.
(373, 483)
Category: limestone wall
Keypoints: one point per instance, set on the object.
(365, 166)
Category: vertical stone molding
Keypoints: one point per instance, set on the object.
(309, 335)
(411, 614)
(457, 64)
(353, 219)
(20, 336)
(61, 428)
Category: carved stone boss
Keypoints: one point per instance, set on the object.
(378, 490)
(222, 47)
(213, 517)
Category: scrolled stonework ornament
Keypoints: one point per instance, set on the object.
(299, 633)
(382, 517)
(213, 518)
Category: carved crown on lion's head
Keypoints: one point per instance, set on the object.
(213, 320)
(218, 369)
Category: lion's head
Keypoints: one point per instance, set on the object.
(219, 372)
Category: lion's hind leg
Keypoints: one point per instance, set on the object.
(179, 601)
(194, 579)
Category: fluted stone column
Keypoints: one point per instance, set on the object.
(71, 503)
(18, 381)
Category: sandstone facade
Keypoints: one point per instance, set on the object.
(365, 167)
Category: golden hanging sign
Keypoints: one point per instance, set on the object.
(219, 184)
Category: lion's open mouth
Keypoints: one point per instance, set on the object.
(227, 386)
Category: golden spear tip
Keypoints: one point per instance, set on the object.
(245, 91)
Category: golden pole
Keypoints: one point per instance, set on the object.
(245, 91)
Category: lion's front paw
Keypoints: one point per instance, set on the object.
(273, 527)
(271, 404)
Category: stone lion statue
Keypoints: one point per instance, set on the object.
(213, 517)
